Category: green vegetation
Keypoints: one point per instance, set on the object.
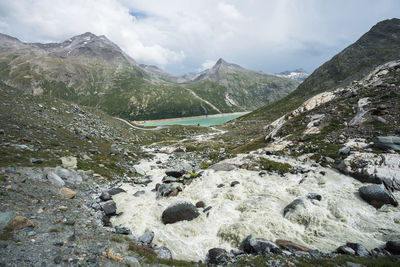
(6, 235)
(274, 166)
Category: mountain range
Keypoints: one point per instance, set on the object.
(91, 70)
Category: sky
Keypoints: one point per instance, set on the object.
(182, 36)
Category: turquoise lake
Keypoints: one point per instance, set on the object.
(203, 121)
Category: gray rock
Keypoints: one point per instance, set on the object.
(217, 256)
(344, 150)
(234, 183)
(139, 193)
(70, 176)
(146, 238)
(200, 204)
(314, 196)
(387, 142)
(163, 253)
(259, 246)
(165, 189)
(222, 167)
(169, 179)
(174, 174)
(114, 149)
(105, 196)
(393, 247)
(179, 211)
(359, 249)
(115, 190)
(178, 168)
(377, 195)
(352, 264)
(139, 171)
(109, 207)
(144, 181)
(36, 161)
(345, 250)
(132, 261)
(122, 230)
(5, 218)
(293, 205)
(55, 179)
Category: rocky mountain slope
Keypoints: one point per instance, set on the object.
(378, 46)
(91, 70)
(298, 75)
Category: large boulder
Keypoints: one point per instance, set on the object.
(217, 256)
(146, 238)
(69, 162)
(69, 176)
(179, 211)
(55, 179)
(163, 253)
(377, 195)
(359, 249)
(109, 207)
(393, 247)
(115, 190)
(19, 222)
(259, 246)
(222, 167)
(387, 142)
(289, 245)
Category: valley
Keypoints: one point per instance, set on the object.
(300, 174)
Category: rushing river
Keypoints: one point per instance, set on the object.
(255, 207)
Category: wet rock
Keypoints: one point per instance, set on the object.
(109, 207)
(387, 142)
(165, 190)
(122, 230)
(293, 205)
(344, 150)
(222, 167)
(36, 161)
(19, 222)
(314, 196)
(377, 195)
(207, 209)
(163, 253)
(55, 179)
(200, 204)
(345, 250)
(144, 181)
(220, 185)
(169, 179)
(174, 174)
(69, 162)
(179, 211)
(116, 190)
(393, 247)
(174, 193)
(359, 249)
(139, 193)
(259, 246)
(139, 171)
(234, 183)
(68, 193)
(146, 238)
(57, 260)
(217, 256)
(289, 245)
(105, 196)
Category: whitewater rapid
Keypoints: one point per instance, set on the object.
(255, 206)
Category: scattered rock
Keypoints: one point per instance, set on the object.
(174, 174)
(359, 249)
(144, 181)
(290, 245)
(314, 196)
(139, 171)
(36, 161)
(293, 205)
(139, 193)
(207, 209)
(163, 253)
(234, 183)
(69, 176)
(393, 247)
(200, 204)
(69, 162)
(179, 211)
(122, 230)
(146, 238)
(132, 261)
(387, 142)
(259, 246)
(19, 222)
(105, 196)
(377, 195)
(55, 179)
(169, 179)
(109, 207)
(165, 190)
(220, 185)
(68, 193)
(344, 150)
(222, 167)
(345, 250)
(217, 256)
(116, 190)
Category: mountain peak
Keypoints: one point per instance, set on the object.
(221, 61)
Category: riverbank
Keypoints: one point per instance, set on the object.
(189, 118)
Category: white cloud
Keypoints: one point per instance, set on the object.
(180, 35)
(207, 64)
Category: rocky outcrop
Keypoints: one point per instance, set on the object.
(217, 256)
(387, 142)
(259, 246)
(179, 211)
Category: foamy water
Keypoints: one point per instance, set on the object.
(255, 207)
